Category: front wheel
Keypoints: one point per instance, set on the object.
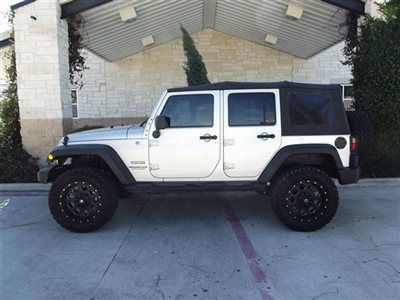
(304, 198)
(83, 199)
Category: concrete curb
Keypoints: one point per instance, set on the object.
(39, 187)
(374, 182)
(24, 187)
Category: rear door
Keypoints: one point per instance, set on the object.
(252, 131)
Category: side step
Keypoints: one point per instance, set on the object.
(195, 186)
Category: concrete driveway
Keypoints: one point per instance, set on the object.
(203, 246)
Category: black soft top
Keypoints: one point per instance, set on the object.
(232, 85)
(294, 102)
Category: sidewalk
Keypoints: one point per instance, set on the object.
(39, 187)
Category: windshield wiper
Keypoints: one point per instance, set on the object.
(144, 122)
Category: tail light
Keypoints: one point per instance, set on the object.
(353, 144)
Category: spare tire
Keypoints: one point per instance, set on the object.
(361, 129)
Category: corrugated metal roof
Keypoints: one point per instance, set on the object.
(107, 36)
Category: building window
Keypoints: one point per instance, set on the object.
(74, 103)
(3, 89)
(348, 96)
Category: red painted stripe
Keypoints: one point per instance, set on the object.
(259, 275)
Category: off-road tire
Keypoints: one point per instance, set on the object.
(312, 185)
(361, 128)
(95, 187)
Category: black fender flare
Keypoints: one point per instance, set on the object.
(107, 153)
(288, 151)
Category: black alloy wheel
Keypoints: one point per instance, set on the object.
(304, 198)
(83, 199)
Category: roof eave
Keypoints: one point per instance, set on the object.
(78, 6)
(354, 6)
(20, 4)
(5, 42)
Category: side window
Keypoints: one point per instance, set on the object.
(251, 109)
(348, 96)
(190, 110)
(310, 109)
(74, 103)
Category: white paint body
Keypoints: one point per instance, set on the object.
(179, 155)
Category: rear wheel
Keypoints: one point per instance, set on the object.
(304, 198)
(83, 199)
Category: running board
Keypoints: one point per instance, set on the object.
(189, 186)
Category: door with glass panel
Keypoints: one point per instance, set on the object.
(252, 131)
(190, 146)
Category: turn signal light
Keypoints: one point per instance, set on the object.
(50, 157)
(353, 144)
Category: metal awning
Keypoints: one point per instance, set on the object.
(319, 27)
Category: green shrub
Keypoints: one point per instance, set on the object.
(10, 137)
(17, 166)
(373, 53)
(77, 62)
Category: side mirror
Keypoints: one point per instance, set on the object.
(161, 122)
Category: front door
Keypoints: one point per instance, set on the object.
(252, 131)
(190, 146)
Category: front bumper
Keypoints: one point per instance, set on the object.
(44, 173)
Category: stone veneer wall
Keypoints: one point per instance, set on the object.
(125, 91)
(41, 47)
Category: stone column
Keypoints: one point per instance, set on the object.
(41, 46)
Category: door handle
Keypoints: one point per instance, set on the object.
(265, 136)
(208, 137)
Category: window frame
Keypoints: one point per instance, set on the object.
(191, 94)
(75, 104)
(252, 92)
(344, 85)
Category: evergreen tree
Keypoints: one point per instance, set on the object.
(195, 69)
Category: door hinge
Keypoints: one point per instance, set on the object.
(228, 166)
(229, 142)
(153, 143)
(154, 167)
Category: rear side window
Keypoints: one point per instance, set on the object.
(310, 109)
(251, 109)
(190, 110)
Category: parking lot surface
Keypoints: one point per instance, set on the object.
(203, 246)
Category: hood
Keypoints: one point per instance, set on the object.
(101, 134)
(135, 132)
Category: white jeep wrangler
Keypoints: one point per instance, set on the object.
(283, 139)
